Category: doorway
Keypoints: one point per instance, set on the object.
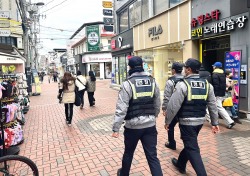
(214, 51)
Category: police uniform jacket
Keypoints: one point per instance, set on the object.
(177, 99)
(122, 107)
(169, 88)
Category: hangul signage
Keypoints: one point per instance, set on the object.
(220, 27)
(4, 23)
(107, 4)
(109, 28)
(202, 19)
(4, 14)
(4, 33)
(108, 20)
(107, 12)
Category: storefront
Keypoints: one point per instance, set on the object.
(121, 49)
(163, 40)
(222, 34)
(99, 63)
(12, 63)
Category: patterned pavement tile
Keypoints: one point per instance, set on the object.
(87, 148)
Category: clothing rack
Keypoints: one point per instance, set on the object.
(13, 150)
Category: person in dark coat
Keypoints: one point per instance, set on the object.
(205, 74)
(91, 87)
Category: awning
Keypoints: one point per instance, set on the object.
(10, 59)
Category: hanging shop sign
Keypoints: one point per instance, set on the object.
(108, 20)
(216, 27)
(93, 38)
(107, 12)
(154, 32)
(232, 64)
(243, 74)
(104, 57)
(4, 14)
(107, 4)
(5, 33)
(112, 43)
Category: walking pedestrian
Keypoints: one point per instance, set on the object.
(81, 86)
(139, 105)
(169, 88)
(219, 83)
(67, 94)
(189, 101)
(55, 74)
(91, 87)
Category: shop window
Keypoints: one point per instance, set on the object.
(108, 68)
(135, 13)
(160, 6)
(173, 3)
(122, 69)
(123, 21)
(146, 10)
(95, 67)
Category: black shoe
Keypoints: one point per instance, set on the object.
(236, 120)
(231, 125)
(119, 172)
(175, 163)
(170, 146)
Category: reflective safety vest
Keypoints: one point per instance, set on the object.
(142, 101)
(194, 105)
(175, 80)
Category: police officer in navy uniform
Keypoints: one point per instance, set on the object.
(139, 105)
(169, 88)
(188, 102)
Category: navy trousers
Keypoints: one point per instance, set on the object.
(172, 142)
(191, 151)
(148, 138)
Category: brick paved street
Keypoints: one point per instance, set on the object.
(87, 148)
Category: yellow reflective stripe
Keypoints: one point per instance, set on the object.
(153, 89)
(144, 94)
(199, 97)
(189, 96)
(207, 90)
(133, 89)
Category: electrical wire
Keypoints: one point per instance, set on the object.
(55, 6)
(62, 30)
(48, 3)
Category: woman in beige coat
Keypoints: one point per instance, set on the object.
(67, 93)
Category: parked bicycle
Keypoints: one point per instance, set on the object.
(15, 165)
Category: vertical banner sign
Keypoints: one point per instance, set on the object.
(93, 36)
(232, 63)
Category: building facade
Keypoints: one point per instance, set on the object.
(92, 51)
(221, 31)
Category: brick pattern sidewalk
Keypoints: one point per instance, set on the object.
(87, 148)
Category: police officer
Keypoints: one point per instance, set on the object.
(139, 105)
(188, 102)
(169, 88)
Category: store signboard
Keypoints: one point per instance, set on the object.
(243, 74)
(107, 12)
(232, 64)
(108, 20)
(4, 23)
(104, 57)
(5, 32)
(93, 38)
(107, 4)
(4, 14)
(218, 26)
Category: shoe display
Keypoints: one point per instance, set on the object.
(175, 163)
(236, 120)
(170, 146)
(231, 125)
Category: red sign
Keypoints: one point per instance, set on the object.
(200, 20)
(113, 44)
